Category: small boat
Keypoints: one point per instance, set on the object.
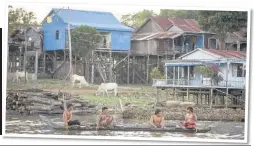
(92, 127)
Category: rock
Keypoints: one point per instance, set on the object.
(172, 103)
(185, 104)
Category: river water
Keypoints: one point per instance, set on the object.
(20, 124)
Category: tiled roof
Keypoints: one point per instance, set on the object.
(187, 25)
(150, 36)
(227, 53)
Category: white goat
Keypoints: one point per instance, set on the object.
(20, 74)
(105, 87)
(81, 80)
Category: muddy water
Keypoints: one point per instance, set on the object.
(19, 124)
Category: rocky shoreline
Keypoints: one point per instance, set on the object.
(178, 113)
(35, 102)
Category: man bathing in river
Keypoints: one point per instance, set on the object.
(104, 119)
(190, 119)
(157, 120)
(67, 117)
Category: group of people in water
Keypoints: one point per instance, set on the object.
(105, 120)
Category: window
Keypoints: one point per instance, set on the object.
(32, 44)
(166, 44)
(238, 70)
(57, 35)
(104, 42)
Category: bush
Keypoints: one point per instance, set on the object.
(156, 74)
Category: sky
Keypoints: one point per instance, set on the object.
(41, 9)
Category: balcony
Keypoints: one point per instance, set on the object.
(197, 83)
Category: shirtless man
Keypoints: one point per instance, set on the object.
(157, 120)
(190, 119)
(67, 117)
(104, 119)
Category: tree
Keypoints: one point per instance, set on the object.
(137, 19)
(189, 14)
(156, 74)
(19, 16)
(84, 40)
(221, 22)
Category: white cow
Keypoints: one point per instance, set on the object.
(81, 80)
(105, 87)
(20, 74)
(159, 83)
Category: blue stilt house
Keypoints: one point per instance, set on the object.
(117, 37)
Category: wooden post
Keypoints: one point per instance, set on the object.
(133, 69)
(110, 66)
(24, 69)
(166, 72)
(20, 56)
(158, 61)
(44, 61)
(174, 71)
(211, 96)
(147, 69)
(92, 78)
(227, 83)
(188, 94)
(128, 75)
(188, 75)
(36, 64)
(178, 74)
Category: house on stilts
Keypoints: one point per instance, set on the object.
(188, 83)
(116, 40)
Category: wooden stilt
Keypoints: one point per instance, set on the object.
(211, 96)
(128, 72)
(188, 94)
(44, 62)
(147, 69)
(36, 64)
(92, 74)
(133, 69)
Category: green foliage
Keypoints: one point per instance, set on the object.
(206, 71)
(189, 14)
(84, 39)
(156, 74)
(221, 22)
(137, 19)
(209, 72)
(19, 16)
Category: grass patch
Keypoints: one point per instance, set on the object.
(62, 84)
(115, 100)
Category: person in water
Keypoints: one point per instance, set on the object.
(104, 119)
(190, 119)
(157, 120)
(67, 117)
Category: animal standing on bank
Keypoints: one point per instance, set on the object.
(20, 74)
(105, 87)
(81, 80)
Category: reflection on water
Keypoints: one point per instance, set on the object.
(34, 125)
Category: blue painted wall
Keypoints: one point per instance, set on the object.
(199, 42)
(49, 33)
(120, 40)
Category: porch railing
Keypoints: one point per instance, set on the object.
(197, 83)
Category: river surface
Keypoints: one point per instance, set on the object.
(21, 124)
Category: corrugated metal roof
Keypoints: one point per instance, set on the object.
(150, 36)
(99, 20)
(228, 53)
(187, 25)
